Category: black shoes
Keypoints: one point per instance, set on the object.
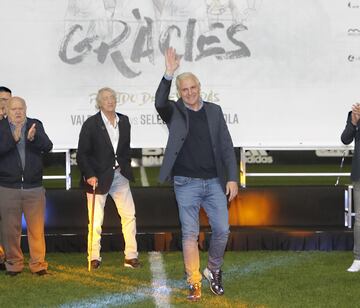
(39, 273)
(11, 274)
(42, 272)
(2, 266)
(132, 263)
(194, 292)
(214, 278)
(95, 264)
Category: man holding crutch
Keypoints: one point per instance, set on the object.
(104, 161)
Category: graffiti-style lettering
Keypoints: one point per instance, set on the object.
(207, 44)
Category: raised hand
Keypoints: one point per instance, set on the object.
(355, 115)
(32, 132)
(172, 61)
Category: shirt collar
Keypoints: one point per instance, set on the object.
(107, 122)
(201, 105)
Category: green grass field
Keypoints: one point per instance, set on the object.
(251, 279)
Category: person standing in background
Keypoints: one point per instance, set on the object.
(5, 95)
(104, 161)
(351, 133)
(23, 141)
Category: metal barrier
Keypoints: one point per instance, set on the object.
(67, 175)
(348, 207)
(349, 214)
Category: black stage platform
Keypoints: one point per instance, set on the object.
(265, 218)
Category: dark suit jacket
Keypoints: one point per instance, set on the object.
(175, 116)
(12, 174)
(96, 157)
(349, 134)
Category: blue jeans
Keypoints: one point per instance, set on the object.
(191, 194)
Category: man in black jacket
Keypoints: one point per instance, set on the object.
(23, 141)
(5, 95)
(104, 160)
(351, 133)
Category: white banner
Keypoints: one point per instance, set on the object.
(285, 72)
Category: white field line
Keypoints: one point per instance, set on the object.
(160, 291)
(143, 176)
(261, 266)
(119, 299)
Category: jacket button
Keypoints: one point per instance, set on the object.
(114, 168)
(176, 153)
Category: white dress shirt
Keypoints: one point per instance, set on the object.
(113, 132)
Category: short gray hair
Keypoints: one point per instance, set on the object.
(16, 98)
(186, 75)
(98, 95)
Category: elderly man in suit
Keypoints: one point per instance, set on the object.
(104, 160)
(351, 133)
(23, 141)
(200, 159)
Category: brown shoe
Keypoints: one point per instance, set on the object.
(132, 263)
(95, 264)
(194, 292)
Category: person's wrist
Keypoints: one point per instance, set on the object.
(169, 73)
(168, 76)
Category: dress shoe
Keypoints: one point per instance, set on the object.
(194, 292)
(214, 278)
(132, 263)
(95, 264)
(12, 274)
(42, 272)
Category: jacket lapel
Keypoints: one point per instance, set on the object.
(102, 128)
(122, 130)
